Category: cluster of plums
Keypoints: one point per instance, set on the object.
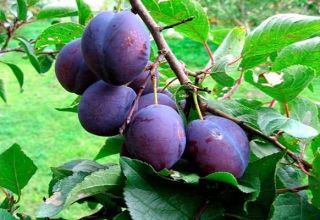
(107, 67)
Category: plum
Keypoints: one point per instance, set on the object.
(71, 69)
(93, 39)
(156, 135)
(103, 108)
(166, 92)
(126, 48)
(138, 82)
(217, 144)
(148, 99)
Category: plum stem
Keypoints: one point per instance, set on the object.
(196, 103)
(286, 109)
(293, 189)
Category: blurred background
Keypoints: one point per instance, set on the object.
(51, 137)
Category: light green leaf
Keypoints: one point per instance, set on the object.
(16, 169)
(111, 147)
(277, 32)
(270, 121)
(2, 91)
(17, 72)
(58, 34)
(98, 182)
(173, 11)
(305, 52)
(22, 9)
(219, 34)
(84, 11)
(57, 10)
(314, 181)
(293, 206)
(285, 85)
(5, 215)
(31, 55)
(226, 55)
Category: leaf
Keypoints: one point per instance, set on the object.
(123, 216)
(31, 55)
(16, 169)
(149, 196)
(2, 91)
(219, 34)
(45, 62)
(111, 147)
(314, 181)
(261, 148)
(260, 175)
(103, 180)
(225, 56)
(57, 10)
(84, 11)
(32, 2)
(285, 85)
(58, 34)
(270, 121)
(173, 11)
(17, 72)
(55, 203)
(72, 108)
(22, 9)
(277, 32)
(289, 177)
(293, 206)
(2, 15)
(305, 52)
(5, 215)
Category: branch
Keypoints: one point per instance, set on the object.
(162, 45)
(293, 189)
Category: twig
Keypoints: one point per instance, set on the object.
(176, 24)
(286, 109)
(168, 84)
(234, 88)
(307, 166)
(293, 189)
(272, 103)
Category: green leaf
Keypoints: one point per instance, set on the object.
(261, 148)
(219, 34)
(283, 86)
(57, 10)
(149, 196)
(260, 175)
(173, 11)
(85, 12)
(277, 32)
(58, 34)
(2, 91)
(22, 9)
(111, 147)
(123, 216)
(305, 52)
(31, 55)
(97, 182)
(289, 176)
(45, 62)
(293, 206)
(32, 2)
(55, 203)
(17, 73)
(314, 181)
(5, 215)
(2, 16)
(16, 169)
(226, 55)
(270, 121)
(72, 108)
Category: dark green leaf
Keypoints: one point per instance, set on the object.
(31, 55)
(59, 34)
(270, 121)
(111, 147)
(261, 148)
(149, 196)
(2, 91)
(5, 215)
(293, 206)
(57, 10)
(285, 85)
(305, 52)
(315, 145)
(17, 72)
(226, 55)
(72, 108)
(16, 169)
(279, 31)
(84, 11)
(101, 181)
(123, 216)
(289, 176)
(22, 9)
(314, 181)
(45, 62)
(173, 11)
(2, 15)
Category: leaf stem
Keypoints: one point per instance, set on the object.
(293, 189)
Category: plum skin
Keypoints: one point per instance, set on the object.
(156, 135)
(71, 70)
(148, 99)
(103, 108)
(217, 144)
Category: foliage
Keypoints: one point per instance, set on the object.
(278, 58)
